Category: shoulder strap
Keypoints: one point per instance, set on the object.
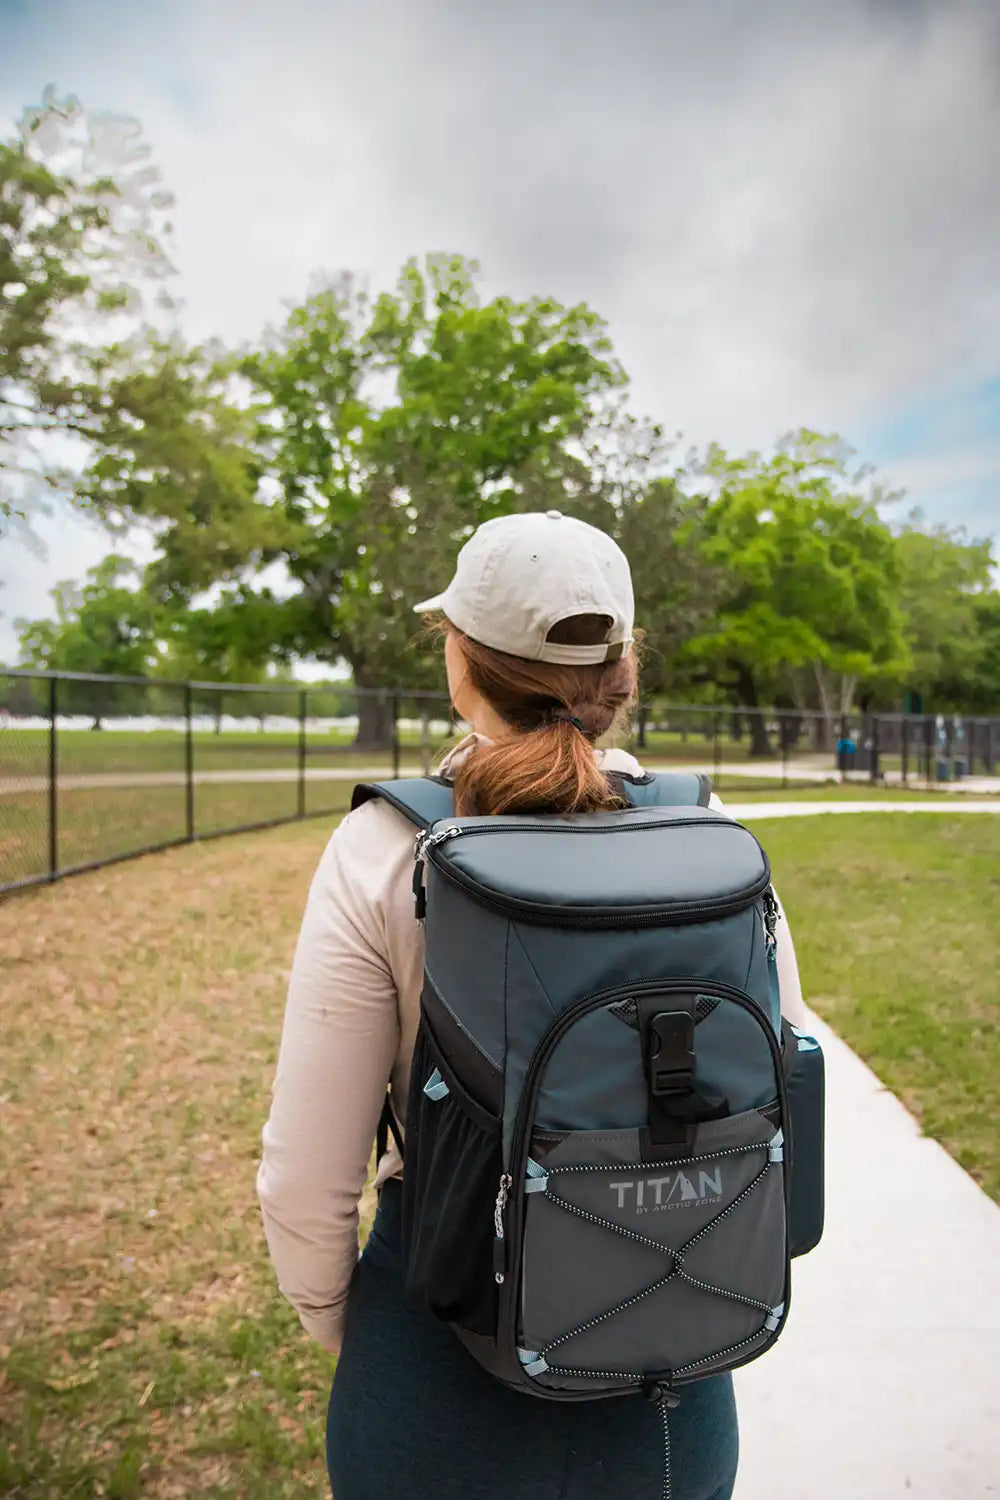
(665, 789)
(421, 799)
(425, 800)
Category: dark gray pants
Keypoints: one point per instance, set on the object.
(413, 1417)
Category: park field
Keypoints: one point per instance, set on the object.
(24, 752)
(146, 1352)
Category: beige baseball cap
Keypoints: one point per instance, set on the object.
(518, 576)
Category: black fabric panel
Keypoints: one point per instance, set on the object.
(459, 1053)
(450, 1184)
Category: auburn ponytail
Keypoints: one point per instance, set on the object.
(556, 714)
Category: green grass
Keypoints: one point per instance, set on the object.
(83, 752)
(147, 1355)
(897, 926)
(863, 791)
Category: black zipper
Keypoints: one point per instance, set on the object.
(529, 1093)
(590, 916)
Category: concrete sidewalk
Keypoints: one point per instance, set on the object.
(886, 1383)
(749, 812)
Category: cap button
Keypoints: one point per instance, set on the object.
(554, 515)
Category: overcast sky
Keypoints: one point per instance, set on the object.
(788, 212)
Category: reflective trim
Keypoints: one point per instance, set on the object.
(537, 1179)
(435, 1087)
(538, 1368)
(806, 1042)
(776, 1149)
(774, 1317)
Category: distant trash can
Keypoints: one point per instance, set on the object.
(847, 752)
(961, 768)
(942, 770)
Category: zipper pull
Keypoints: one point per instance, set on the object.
(426, 840)
(771, 918)
(499, 1248)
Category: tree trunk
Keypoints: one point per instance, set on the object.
(375, 726)
(760, 745)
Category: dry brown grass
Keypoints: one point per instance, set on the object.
(146, 1350)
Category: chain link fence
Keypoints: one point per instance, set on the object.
(96, 769)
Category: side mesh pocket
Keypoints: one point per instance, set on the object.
(805, 1085)
(450, 1183)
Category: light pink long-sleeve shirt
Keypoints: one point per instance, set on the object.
(350, 1025)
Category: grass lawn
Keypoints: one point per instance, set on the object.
(83, 752)
(897, 926)
(145, 1349)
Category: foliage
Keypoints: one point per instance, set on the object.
(809, 593)
(234, 639)
(82, 216)
(107, 626)
(944, 579)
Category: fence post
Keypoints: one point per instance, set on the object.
(783, 736)
(188, 763)
(53, 779)
(716, 747)
(302, 754)
(874, 750)
(905, 767)
(394, 710)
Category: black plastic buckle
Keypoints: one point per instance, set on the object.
(670, 1053)
(659, 1388)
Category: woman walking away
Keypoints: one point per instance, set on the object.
(538, 644)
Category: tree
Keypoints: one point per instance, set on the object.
(386, 430)
(677, 587)
(107, 626)
(82, 216)
(809, 572)
(234, 640)
(943, 578)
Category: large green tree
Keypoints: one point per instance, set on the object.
(82, 222)
(384, 431)
(809, 602)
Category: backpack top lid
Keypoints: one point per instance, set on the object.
(668, 863)
(591, 867)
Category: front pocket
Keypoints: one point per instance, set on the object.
(450, 1183)
(631, 1267)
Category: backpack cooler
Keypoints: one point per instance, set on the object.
(614, 1143)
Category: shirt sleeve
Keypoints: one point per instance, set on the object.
(338, 1045)
(793, 1006)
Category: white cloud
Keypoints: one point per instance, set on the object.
(789, 213)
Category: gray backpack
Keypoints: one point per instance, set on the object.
(605, 1104)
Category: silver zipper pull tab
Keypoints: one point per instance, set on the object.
(499, 1248)
(426, 840)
